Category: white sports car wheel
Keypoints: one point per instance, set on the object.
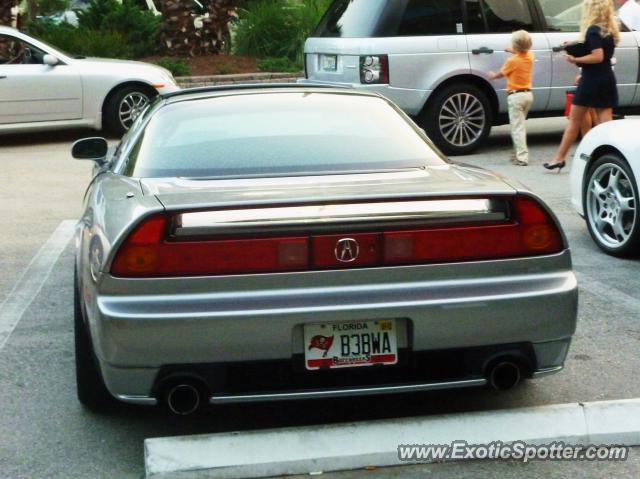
(611, 206)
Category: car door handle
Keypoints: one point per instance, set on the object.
(558, 48)
(478, 51)
(2, 77)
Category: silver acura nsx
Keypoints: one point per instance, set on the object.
(264, 243)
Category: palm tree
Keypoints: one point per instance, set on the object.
(195, 27)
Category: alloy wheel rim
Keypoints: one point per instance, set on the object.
(462, 119)
(130, 108)
(611, 205)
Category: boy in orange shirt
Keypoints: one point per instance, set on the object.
(518, 70)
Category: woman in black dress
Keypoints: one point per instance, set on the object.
(597, 88)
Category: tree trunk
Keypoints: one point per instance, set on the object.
(190, 32)
(32, 9)
(5, 11)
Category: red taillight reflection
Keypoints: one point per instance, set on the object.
(148, 252)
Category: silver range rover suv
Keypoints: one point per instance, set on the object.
(431, 57)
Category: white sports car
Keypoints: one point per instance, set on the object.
(42, 88)
(604, 186)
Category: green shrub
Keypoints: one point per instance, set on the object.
(280, 65)
(307, 16)
(108, 44)
(84, 42)
(265, 30)
(277, 28)
(49, 7)
(106, 29)
(177, 67)
(94, 15)
(139, 27)
(224, 69)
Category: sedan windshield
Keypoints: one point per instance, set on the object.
(281, 133)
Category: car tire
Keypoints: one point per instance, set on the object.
(92, 393)
(610, 202)
(124, 106)
(457, 118)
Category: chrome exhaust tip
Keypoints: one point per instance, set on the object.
(183, 399)
(504, 375)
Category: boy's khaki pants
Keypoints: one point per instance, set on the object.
(519, 106)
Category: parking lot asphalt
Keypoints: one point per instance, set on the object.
(44, 432)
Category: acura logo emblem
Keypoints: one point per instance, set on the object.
(347, 250)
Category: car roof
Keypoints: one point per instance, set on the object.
(260, 88)
(7, 29)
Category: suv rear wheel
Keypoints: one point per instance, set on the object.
(457, 118)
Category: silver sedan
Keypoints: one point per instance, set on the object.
(288, 242)
(42, 88)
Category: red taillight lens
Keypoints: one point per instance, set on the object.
(530, 232)
(140, 254)
(147, 253)
(150, 252)
(374, 69)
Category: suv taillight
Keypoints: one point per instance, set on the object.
(374, 69)
(151, 250)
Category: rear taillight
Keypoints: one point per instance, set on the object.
(151, 250)
(147, 253)
(530, 232)
(374, 69)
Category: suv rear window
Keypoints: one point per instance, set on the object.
(383, 18)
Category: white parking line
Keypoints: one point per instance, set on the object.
(32, 279)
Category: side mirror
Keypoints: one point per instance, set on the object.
(90, 149)
(50, 60)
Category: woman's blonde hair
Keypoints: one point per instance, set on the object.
(521, 41)
(601, 13)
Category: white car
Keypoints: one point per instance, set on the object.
(42, 88)
(604, 186)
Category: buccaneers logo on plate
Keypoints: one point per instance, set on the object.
(323, 343)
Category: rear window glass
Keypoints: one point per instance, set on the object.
(562, 15)
(434, 17)
(385, 18)
(290, 133)
(356, 19)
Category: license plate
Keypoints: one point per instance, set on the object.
(349, 345)
(329, 63)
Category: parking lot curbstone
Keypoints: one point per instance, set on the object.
(210, 80)
(309, 449)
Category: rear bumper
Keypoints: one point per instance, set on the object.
(286, 380)
(136, 335)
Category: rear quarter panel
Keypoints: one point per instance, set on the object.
(113, 204)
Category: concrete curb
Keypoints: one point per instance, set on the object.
(330, 448)
(209, 80)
